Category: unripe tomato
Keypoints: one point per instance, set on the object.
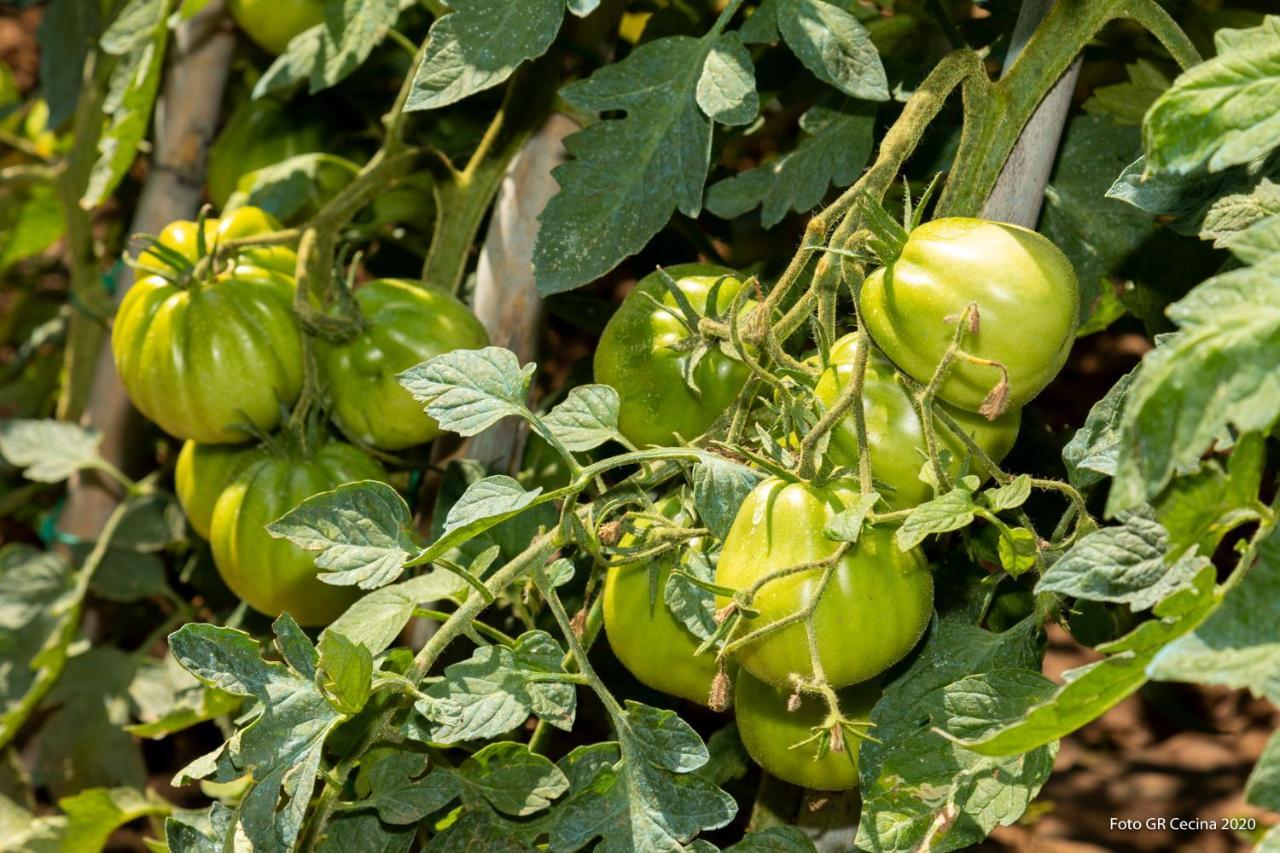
(895, 439)
(1027, 297)
(202, 472)
(205, 358)
(650, 642)
(639, 356)
(871, 613)
(259, 133)
(775, 738)
(407, 323)
(274, 575)
(272, 24)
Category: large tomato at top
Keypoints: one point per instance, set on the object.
(203, 471)
(895, 439)
(272, 24)
(651, 643)
(259, 133)
(873, 610)
(775, 738)
(204, 358)
(1027, 297)
(641, 355)
(274, 575)
(406, 324)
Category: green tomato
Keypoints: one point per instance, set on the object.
(202, 472)
(779, 740)
(871, 613)
(206, 359)
(259, 133)
(895, 439)
(275, 576)
(272, 24)
(640, 356)
(1027, 297)
(407, 323)
(650, 642)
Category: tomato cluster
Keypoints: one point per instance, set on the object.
(817, 621)
(210, 349)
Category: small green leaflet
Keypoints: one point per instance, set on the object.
(948, 512)
(586, 419)
(327, 53)
(847, 525)
(375, 620)
(1091, 454)
(833, 151)
(362, 530)
(485, 504)
(1128, 102)
(727, 88)
(1257, 242)
(835, 47)
(1221, 112)
(467, 391)
(287, 188)
(1237, 211)
(1238, 646)
(49, 451)
(719, 488)
(344, 672)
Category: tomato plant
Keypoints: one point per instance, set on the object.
(869, 602)
(404, 323)
(638, 426)
(648, 351)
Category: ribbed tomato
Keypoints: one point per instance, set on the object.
(203, 471)
(875, 607)
(274, 575)
(207, 359)
(406, 324)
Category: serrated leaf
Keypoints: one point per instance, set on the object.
(1126, 564)
(483, 505)
(727, 88)
(775, 839)
(1090, 691)
(663, 739)
(1263, 788)
(49, 451)
(836, 146)
(945, 513)
(467, 391)
(1222, 369)
(350, 32)
(1238, 645)
(1221, 112)
(585, 419)
(169, 699)
(915, 776)
(376, 619)
(1017, 550)
(1128, 102)
(362, 531)
(835, 47)
(846, 525)
(293, 67)
(719, 488)
(493, 695)
(344, 672)
(1188, 199)
(1090, 455)
(1009, 496)
(294, 185)
(1199, 509)
(512, 779)
(1257, 242)
(1237, 211)
(398, 793)
(626, 176)
(94, 814)
(479, 44)
(692, 605)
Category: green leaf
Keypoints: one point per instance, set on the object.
(836, 146)
(1237, 646)
(1090, 691)
(1200, 508)
(403, 792)
(294, 185)
(293, 67)
(692, 605)
(363, 531)
(1189, 199)
(478, 45)
(846, 525)
(492, 692)
(662, 738)
(1221, 112)
(94, 814)
(139, 37)
(282, 747)
(1222, 369)
(761, 27)
(38, 592)
(1128, 102)
(1017, 550)
(66, 33)
(512, 779)
(363, 832)
(719, 488)
(199, 832)
(1091, 454)
(945, 513)
(483, 505)
(628, 175)
(375, 620)
(1128, 564)
(1263, 788)
(835, 47)
(467, 391)
(914, 777)
(350, 32)
(169, 699)
(775, 839)
(727, 88)
(1257, 242)
(1009, 496)
(585, 419)
(1235, 212)
(344, 673)
(49, 451)
(37, 223)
